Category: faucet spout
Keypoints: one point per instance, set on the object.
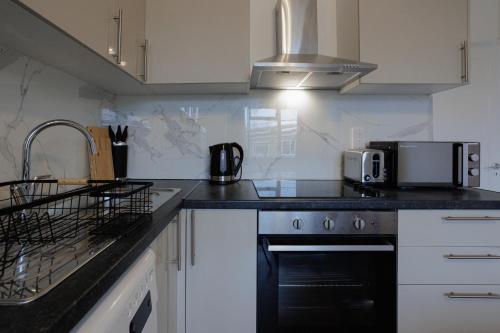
(28, 141)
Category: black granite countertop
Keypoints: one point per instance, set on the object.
(66, 304)
(243, 195)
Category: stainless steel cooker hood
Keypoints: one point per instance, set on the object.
(298, 64)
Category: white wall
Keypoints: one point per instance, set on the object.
(285, 134)
(473, 112)
(31, 93)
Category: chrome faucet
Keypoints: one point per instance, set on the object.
(28, 141)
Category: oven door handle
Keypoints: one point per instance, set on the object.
(331, 248)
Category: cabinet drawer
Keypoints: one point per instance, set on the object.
(426, 309)
(449, 227)
(449, 265)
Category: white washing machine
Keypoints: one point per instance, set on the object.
(130, 305)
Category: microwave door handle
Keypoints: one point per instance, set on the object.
(460, 165)
(331, 248)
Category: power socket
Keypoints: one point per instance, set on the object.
(357, 137)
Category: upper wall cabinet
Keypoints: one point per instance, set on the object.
(197, 47)
(113, 28)
(418, 45)
(130, 46)
(88, 21)
(196, 41)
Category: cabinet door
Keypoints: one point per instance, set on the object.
(448, 227)
(160, 248)
(198, 41)
(448, 265)
(427, 309)
(133, 36)
(87, 21)
(127, 44)
(413, 41)
(169, 249)
(221, 271)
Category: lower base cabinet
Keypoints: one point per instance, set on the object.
(221, 271)
(169, 277)
(448, 271)
(207, 272)
(428, 309)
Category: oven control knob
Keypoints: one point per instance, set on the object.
(297, 223)
(474, 172)
(329, 223)
(358, 223)
(474, 157)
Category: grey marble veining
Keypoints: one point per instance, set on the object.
(32, 93)
(285, 134)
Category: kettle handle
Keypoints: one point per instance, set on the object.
(240, 158)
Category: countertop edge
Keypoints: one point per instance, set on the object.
(384, 204)
(124, 252)
(160, 219)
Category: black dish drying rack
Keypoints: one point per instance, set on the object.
(52, 212)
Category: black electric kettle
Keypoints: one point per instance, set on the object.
(224, 165)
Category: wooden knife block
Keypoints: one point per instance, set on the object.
(101, 164)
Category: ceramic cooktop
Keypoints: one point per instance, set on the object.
(275, 189)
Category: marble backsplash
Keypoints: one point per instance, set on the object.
(31, 93)
(285, 134)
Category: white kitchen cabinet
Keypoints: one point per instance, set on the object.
(87, 21)
(448, 271)
(417, 45)
(176, 275)
(96, 23)
(426, 309)
(160, 249)
(129, 44)
(448, 265)
(221, 271)
(196, 41)
(169, 249)
(449, 227)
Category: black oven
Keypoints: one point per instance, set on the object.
(324, 272)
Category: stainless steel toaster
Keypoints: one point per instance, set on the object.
(364, 166)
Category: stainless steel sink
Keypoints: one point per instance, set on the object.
(160, 195)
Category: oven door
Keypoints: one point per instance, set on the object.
(334, 284)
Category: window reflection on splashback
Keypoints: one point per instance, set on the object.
(271, 132)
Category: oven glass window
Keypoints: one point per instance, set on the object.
(320, 292)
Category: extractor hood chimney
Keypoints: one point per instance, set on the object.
(298, 64)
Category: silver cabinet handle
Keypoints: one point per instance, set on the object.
(192, 237)
(145, 47)
(331, 248)
(119, 37)
(472, 295)
(470, 256)
(179, 264)
(470, 218)
(464, 48)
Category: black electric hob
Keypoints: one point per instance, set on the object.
(321, 189)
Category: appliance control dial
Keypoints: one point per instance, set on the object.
(474, 172)
(297, 223)
(328, 223)
(358, 223)
(474, 157)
